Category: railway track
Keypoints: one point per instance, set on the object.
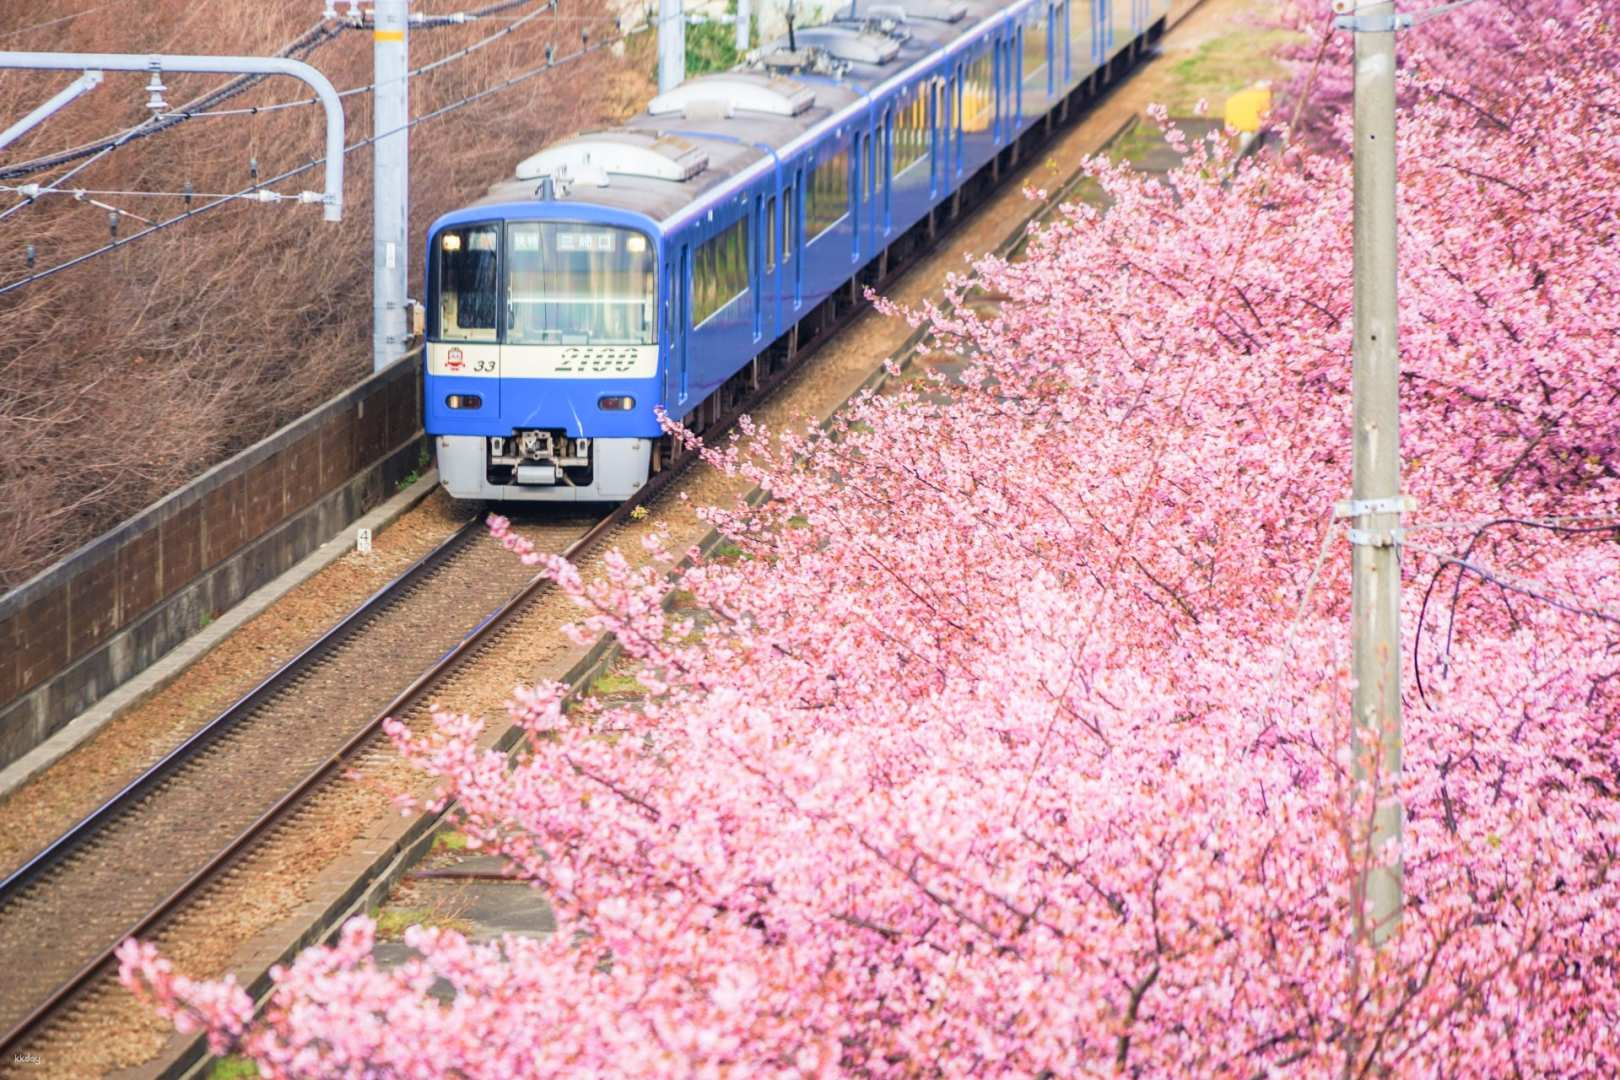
(130, 866)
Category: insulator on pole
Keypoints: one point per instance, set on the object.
(187, 192)
(154, 92)
(112, 223)
(30, 253)
(253, 168)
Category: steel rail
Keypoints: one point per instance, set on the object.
(488, 627)
(322, 773)
(160, 770)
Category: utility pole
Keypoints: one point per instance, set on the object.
(1376, 503)
(671, 44)
(742, 27)
(391, 174)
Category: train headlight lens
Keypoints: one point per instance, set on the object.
(636, 244)
(464, 401)
(616, 403)
(450, 241)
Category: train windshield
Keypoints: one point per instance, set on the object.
(577, 284)
(469, 283)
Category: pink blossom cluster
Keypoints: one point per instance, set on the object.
(1488, 47)
(1015, 739)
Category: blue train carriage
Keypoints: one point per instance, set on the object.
(653, 265)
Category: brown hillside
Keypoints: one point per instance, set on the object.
(123, 377)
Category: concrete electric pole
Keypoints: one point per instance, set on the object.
(671, 44)
(1376, 503)
(391, 174)
(742, 27)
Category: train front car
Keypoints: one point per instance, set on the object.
(543, 351)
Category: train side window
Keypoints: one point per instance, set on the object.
(721, 274)
(770, 234)
(910, 140)
(827, 195)
(978, 95)
(1037, 57)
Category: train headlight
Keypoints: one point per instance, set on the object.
(616, 403)
(450, 241)
(464, 401)
(636, 244)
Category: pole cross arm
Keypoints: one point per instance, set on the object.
(1347, 19)
(331, 199)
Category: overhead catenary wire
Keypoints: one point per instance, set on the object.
(55, 185)
(32, 193)
(110, 193)
(492, 11)
(55, 22)
(250, 193)
(460, 54)
(299, 48)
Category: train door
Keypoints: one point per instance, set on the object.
(856, 216)
(1082, 38)
(683, 319)
(937, 147)
(992, 90)
(1063, 42)
(756, 265)
(1055, 51)
(869, 163)
(668, 337)
(953, 129)
(792, 215)
(773, 288)
(1010, 89)
(1015, 78)
(888, 170)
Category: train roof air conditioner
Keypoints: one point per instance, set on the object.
(856, 46)
(735, 91)
(947, 11)
(617, 153)
(805, 60)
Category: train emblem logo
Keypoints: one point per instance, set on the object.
(453, 360)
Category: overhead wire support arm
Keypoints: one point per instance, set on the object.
(552, 63)
(71, 93)
(331, 199)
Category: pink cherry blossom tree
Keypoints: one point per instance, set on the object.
(1015, 741)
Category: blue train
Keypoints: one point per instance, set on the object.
(661, 263)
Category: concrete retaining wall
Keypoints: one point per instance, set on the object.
(78, 629)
